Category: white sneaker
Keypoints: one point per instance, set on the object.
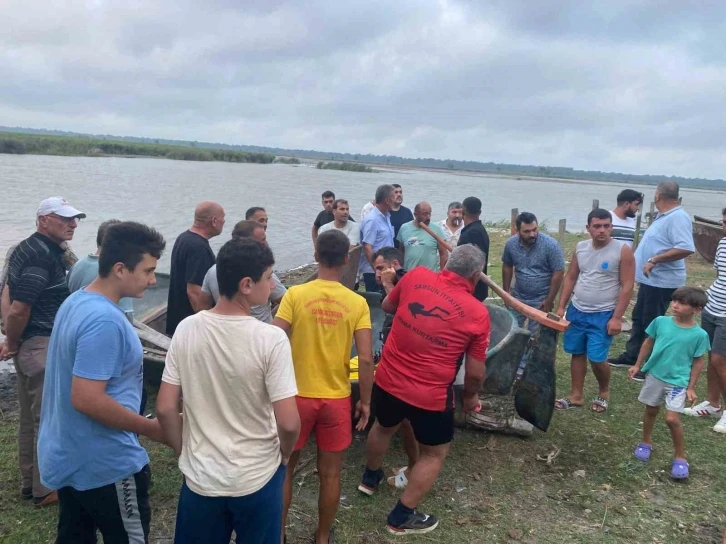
(703, 409)
(720, 427)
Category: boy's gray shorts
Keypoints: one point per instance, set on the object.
(655, 391)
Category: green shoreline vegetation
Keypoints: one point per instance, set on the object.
(21, 144)
(347, 166)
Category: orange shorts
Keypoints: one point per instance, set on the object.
(331, 421)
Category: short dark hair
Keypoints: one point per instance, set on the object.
(340, 201)
(472, 205)
(388, 253)
(127, 242)
(723, 212)
(246, 228)
(396, 186)
(253, 210)
(328, 194)
(238, 259)
(598, 213)
(455, 206)
(102, 228)
(629, 195)
(526, 218)
(332, 247)
(383, 192)
(693, 296)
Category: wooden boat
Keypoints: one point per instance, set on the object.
(534, 396)
(707, 233)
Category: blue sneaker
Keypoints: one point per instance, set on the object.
(415, 524)
(370, 481)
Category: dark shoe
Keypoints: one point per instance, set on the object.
(639, 377)
(415, 524)
(49, 500)
(620, 362)
(26, 493)
(370, 481)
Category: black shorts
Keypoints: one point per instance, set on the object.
(430, 428)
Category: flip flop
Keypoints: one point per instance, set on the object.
(565, 404)
(642, 452)
(679, 469)
(599, 402)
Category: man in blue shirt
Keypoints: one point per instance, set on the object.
(660, 267)
(376, 232)
(88, 448)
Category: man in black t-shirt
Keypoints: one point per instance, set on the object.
(191, 258)
(324, 217)
(474, 233)
(400, 214)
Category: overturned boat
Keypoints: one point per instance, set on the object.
(503, 394)
(707, 233)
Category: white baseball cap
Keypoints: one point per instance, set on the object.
(59, 206)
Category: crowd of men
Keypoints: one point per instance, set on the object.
(255, 369)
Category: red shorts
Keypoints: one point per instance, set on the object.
(331, 420)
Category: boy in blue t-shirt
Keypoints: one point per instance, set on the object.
(675, 347)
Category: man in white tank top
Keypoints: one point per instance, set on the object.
(601, 278)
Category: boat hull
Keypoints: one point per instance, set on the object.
(707, 233)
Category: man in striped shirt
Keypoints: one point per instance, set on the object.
(37, 286)
(624, 216)
(713, 321)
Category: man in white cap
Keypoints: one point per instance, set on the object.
(37, 285)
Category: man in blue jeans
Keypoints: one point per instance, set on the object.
(376, 232)
(240, 415)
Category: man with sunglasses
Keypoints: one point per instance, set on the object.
(37, 286)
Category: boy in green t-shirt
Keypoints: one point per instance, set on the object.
(674, 348)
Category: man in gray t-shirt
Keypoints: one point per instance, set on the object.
(210, 287)
(601, 278)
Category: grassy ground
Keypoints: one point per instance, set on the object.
(493, 488)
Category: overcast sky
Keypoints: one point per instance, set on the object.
(634, 86)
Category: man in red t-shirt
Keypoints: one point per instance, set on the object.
(437, 321)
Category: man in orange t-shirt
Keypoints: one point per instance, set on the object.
(322, 317)
(437, 321)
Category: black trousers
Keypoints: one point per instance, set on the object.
(652, 302)
(120, 511)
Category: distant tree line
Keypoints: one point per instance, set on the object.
(64, 145)
(347, 166)
(287, 160)
(391, 160)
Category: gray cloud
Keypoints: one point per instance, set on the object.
(609, 85)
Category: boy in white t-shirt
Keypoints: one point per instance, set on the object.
(341, 212)
(240, 415)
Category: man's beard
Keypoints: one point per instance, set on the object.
(457, 220)
(630, 214)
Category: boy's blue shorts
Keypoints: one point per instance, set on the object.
(588, 334)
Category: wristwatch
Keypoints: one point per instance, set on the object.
(651, 261)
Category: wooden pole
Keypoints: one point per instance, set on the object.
(595, 204)
(651, 215)
(638, 221)
(561, 233)
(513, 221)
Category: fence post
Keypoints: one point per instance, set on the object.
(561, 233)
(651, 215)
(513, 221)
(638, 221)
(595, 204)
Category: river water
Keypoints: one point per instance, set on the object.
(163, 193)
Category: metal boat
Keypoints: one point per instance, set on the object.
(707, 233)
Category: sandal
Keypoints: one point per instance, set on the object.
(599, 402)
(642, 452)
(398, 480)
(565, 404)
(679, 469)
